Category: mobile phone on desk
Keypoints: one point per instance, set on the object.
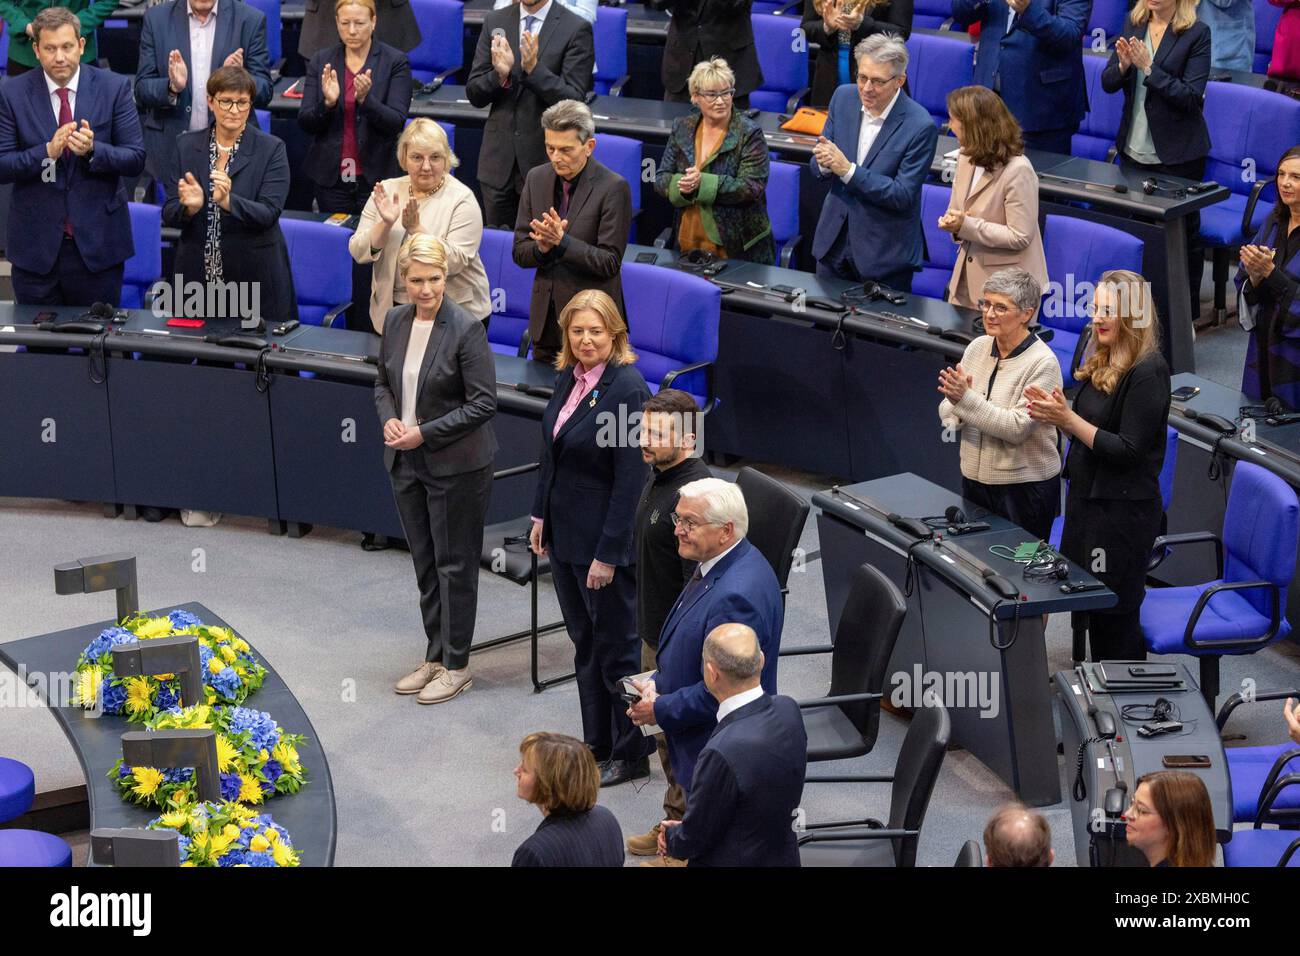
(44, 317)
(1186, 761)
(1185, 393)
(180, 323)
(1078, 587)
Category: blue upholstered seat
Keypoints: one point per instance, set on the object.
(672, 323)
(322, 269)
(784, 63)
(610, 32)
(1260, 848)
(936, 66)
(17, 788)
(1248, 768)
(512, 291)
(144, 268)
(941, 251)
(782, 196)
(440, 52)
(1100, 126)
(33, 848)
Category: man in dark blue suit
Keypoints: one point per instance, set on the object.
(1031, 54)
(68, 134)
(749, 777)
(182, 43)
(734, 584)
(876, 149)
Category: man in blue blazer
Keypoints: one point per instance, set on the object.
(876, 149)
(68, 134)
(1031, 54)
(171, 83)
(749, 778)
(734, 584)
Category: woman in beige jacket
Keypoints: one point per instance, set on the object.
(429, 200)
(1009, 462)
(993, 212)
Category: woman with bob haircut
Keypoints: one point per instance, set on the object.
(559, 776)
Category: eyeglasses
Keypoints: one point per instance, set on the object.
(690, 524)
(1136, 809)
(716, 95)
(870, 82)
(234, 106)
(998, 309)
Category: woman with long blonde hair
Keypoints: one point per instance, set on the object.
(1113, 509)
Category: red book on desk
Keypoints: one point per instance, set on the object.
(294, 92)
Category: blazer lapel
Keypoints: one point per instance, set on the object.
(398, 327)
(224, 35)
(42, 104)
(985, 181)
(585, 186)
(588, 403)
(562, 383)
(544, 34)
(1167, 44)
(436, 337)
(892, 122)
(181, 26)
(961, 185)
(248, 148)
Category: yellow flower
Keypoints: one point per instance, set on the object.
(250, 791)
(227, 653)
(88, 682)
(175, 819)
(226, 753)
(154, 627)
(272, 834)
(231, 831)
(287, 754)
(240, 813)
(283, 855)
(240, 645)
(259, 844)
(216, 664)
(189, 863)
(219, 843)
(147, 780)
(139, 698)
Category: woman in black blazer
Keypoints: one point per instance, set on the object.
(436, 394)
(225, 190)
(1113, 509)
(838, 33)
(559, 776)
(592, 474)
(1162, 63)
(355, 99)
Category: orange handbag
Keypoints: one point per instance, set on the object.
(806, 120)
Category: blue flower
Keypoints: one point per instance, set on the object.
(107, 640)
(226, 682)
(233, 857)
(167, 697)
(257, 859)
(185, 845)
(263, 731)
(112, 700)
(273, 770)
(205, 655)
(177, 774)
(123, 771)
(181, 619)
(229, 786)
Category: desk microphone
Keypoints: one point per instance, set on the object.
(1087, 183)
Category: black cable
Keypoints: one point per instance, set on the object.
(909, 571)
(1080, 789)
(1215, 471)
(262, 375)
(838, 339)
(993, 625)
(98, 351)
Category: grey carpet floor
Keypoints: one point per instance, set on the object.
(433, 785)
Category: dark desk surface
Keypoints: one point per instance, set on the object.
(1275, 447)
(309, 815)
(913, 496)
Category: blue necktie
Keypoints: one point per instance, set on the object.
(529, 23)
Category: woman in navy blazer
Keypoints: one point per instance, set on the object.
(355, 99)
(1162, 63)
(591, 478)
(225, 190)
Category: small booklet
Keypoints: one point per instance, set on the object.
(648, 730)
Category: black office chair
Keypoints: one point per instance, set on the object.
(506, 553)
(776, 519)
(870, 842)
(844, 724)
(970, 855)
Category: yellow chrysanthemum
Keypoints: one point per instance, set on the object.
(272, 834)
(287, 754)
(239, 813)
(189, 863)
(231, 831)
(147, 780)
(240, 645)
(216, 664)
(227, 653)
(139, 698)
(219, 843)
(174, 819)
(218, 634)
(154, 627)
(259, 844)
(226, 753)
(88, 682)
(283, 855)
(250, 791)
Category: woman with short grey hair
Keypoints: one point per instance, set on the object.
(1009, 463)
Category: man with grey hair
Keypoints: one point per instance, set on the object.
(1009, 462)
(572, 224)
(734, 584)
(1018, 836)
(876, 150)
(749, 777)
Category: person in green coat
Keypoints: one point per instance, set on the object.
(18, 15)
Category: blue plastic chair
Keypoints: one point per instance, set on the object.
(33, 848)
(1100, 126)
(144, 268)
(611, 50)
(782, 197)
(439, 53)
(1266, 20)
(941, 251)
(783, 61)
(1108, 17)
(622, 154)
(1241, 610)
(936, 66)
(512, 292)
(17, 789)
(672, 320)
(1078, 252)
(322, 269)
(274, 51)
(931, 14)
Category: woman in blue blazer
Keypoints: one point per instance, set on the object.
(355, 99)
(591, 478)
(1268, 282)
(225, 190)
(1162, 63)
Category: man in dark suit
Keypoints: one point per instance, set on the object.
(876, 149)
(733, 584)
(749, 777)
(700, 29)
(182, 43)
(1031, 54)
(572, 224)
(69, 133)
(530, 56)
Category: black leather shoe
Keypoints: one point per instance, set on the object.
(621, 771)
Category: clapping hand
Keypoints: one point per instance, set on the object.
(953, 383)
(548, 232)
(1257, 261)
(235, 59)
(362, 83)
(689, 182)
(1139, 54)
(81, 141)
(829, 156)
(329, 85)
(503, 58)
(178, 74)
(952, 221)
(59, 141)
(387, 204)
(528, 52)
(411, 216)
(221, 188)
(190, 193)
(1049, 409)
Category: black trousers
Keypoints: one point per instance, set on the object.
(1051, 140)
(602, 626)
(548, 347)
(1195, 171)
(501, 205)
(838, 263)
(69, 282)
(442, 517)
(1031, 504)
(351, 199)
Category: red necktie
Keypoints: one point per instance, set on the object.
(65, 117)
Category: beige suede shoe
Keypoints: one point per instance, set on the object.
(664, 861)
(419, 678)
(445, 686)
(644, 844)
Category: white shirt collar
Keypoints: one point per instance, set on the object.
(540, 14)
(707, 566)
(737, 701)
(884, 115)
(70, 85)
